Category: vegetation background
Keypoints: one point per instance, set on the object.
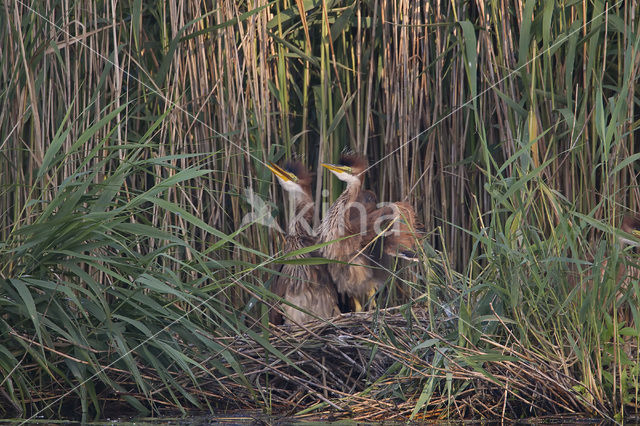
(132, 135)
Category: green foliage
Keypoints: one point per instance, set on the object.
(128, 138)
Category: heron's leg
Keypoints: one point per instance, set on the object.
(357, 307)
(371, 298)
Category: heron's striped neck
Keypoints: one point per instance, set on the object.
(332, 226)
(301, 221)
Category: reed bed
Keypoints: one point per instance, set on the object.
(135, 265)
(342, 370)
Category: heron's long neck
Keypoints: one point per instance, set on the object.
(302, 220)
(337, 212)
(350, 193)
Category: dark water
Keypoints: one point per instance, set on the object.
(259, 418)
(234, 418)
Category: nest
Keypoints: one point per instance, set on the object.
(380, 366)
(392, 364)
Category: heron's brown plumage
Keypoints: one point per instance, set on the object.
(305, 286)
(405, 232)
(631, 225)
(356, 215)
(304, 176)
(356, 278)
(357, 162)
(397, 238)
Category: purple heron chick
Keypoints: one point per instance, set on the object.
(631, 225)
(392, 227)
(356, 216)
(388, 231)
(404, 231)
(355, 277)
(305, 286)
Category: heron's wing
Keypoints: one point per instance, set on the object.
(392, 230)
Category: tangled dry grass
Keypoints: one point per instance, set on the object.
(351, 369)
(131, 132)
(369, 366)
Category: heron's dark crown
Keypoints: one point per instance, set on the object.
(301, 172)
(357, 162)
(631, 223)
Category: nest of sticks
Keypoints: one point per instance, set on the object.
(379, 365)
(368, 366)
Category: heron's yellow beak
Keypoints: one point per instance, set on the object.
(281, 173)
(337, 169)
(636, 233)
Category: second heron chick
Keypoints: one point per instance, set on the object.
(355, 275)
(352, 224)
(308, 289)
